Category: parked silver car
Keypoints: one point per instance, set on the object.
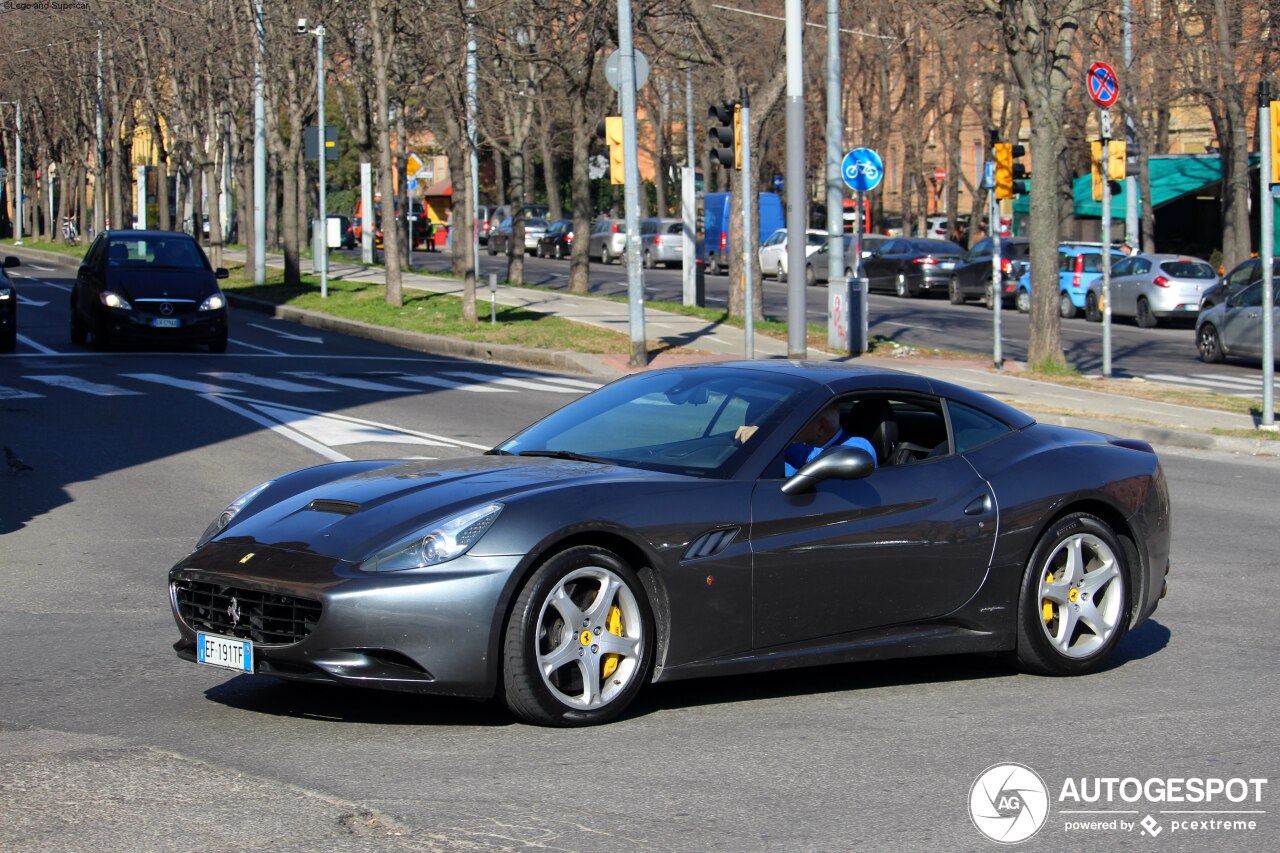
(1151, 288)
(662, 242)
(773, 251)
(1234, 327)
(608, 240)
(817, 265)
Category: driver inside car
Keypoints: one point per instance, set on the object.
(822, 432)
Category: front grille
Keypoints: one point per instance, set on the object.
(155, 306)
(267, 618)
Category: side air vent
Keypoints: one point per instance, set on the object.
(338, 507)
(710, 543)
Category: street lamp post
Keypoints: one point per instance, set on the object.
(17, 175)
(320, 245)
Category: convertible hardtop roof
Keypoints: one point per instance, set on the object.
(841, 378)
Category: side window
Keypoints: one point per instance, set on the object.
(1241, 275)
(1142, 266)
(971, 428)
(983, 248)
(1065, 262)
(1250, 297)
(1125, 267)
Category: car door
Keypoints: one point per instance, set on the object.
(1242, 322)
(976, 272)
(880, 266)
(1119, 278)
(89, 280)
(1131, 285)
(909, 542)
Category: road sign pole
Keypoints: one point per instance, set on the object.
(796, 184)
(997, 297)
(631, 186)
(1267, 251)
(1105, 117)
(748, 244)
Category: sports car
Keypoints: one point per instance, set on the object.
(647, 532)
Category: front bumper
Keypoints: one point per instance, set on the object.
(426, 631)
(196, 328)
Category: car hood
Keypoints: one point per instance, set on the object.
(351, 517)
(140, 283)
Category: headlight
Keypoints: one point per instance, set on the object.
(114, 300)
(233, 509)
(213, 303)
(438, 543)
(6, 292)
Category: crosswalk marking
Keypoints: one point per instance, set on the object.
(16, 394)
(449, 383)
(1231, 386)
(350, 382)
(75, 383)
(267, 382)
(184, 384)
(518, 383)
(1247, 381)
(559, 380)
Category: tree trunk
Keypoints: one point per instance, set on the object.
(515, 246)
(549, 170)
(579, 262)
(390, 234)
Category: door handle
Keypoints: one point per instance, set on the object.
(978, 506)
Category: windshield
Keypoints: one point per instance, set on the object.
(177, 252)
(681, 422)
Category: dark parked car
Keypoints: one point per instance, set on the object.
(971, 279)
(148, 286)
(1234, 327)
(558, 241)
(1241, 276)
(648, 532)
(8, 307)
(910, 266)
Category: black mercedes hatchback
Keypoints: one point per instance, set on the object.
(148, 287)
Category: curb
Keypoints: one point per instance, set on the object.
(1162, 436)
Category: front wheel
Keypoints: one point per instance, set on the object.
(79, 333)
(1209, 342)
(579, 643)
(1066, 308)
(1092, 311)
(1074, 605)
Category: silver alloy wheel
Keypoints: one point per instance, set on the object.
(1081, 595)
(1023, 301)
(575, 644)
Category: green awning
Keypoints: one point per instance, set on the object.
(1172, 177)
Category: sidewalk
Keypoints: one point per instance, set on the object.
(1159, 423)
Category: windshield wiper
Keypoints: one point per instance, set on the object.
(497, 451)
(566, 454)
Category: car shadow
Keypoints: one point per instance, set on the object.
(1142, 642)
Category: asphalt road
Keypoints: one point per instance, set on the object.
(109, 742)
(1165, 354)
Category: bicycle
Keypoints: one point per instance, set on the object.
(70, 235)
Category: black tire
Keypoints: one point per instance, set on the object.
(953, 291)
(810, 276)
(79, 334)
(99, 338)
(1022, 300)
(902, 288)
(1066, 308)
(989, 297)
(559, 252)
(1035, 651)
(218, 344)
(780, 274)
(1143, 316)
(648, 261)
(539, 252)
(713, 266)
(1092, 312)
(492, 247)
(605, 257)
(9, 339)
(533, 620)
(1209, 342)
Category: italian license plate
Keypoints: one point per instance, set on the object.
(225, 652)
(165, 323)
(947, 265)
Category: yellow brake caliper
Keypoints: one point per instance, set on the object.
(614, 624)
(1046, 606)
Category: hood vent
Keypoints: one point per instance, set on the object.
(710, 543)
(337, 507)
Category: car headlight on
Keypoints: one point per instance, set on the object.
(438, 543)
(213, 303)
(114, 300)
(6, 292)
(233, 509)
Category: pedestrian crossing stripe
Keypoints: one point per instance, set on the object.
(17, 394)
(267, 382)
(75, 383)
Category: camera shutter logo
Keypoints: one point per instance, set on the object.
(1009, 803)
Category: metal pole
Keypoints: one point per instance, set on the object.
(748, 242)
(835, 150)
(141, 194)
(259, 153)
(797, 331)
(689, 202)
(631, 186)
(1131, 226)
(17, 178)
(1106, 243)
(473, 196)
(997, 295)
(864, 321)
(1267, 220)
(99, 213)
(322, 245)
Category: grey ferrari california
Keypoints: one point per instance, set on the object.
(695, 521)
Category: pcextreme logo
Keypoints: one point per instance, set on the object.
(1008, 803)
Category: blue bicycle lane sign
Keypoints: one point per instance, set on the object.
(862, 169)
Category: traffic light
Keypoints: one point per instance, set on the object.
(610, 130)
(726, 134)
(1115, 163)
(1010, 176)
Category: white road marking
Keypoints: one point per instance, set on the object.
(255, 346)
(517, 383)
(349, 382)
(1199, 383)
(267, 382)
(42, 268)
(75, 383)
(333, 432)
(1247, 381)
(449, 383)
(185, 384)
(278, 429)
(287, 335)
(562, 380)
(16, 394)
(22, 300)
(908, 326)
(39, 347)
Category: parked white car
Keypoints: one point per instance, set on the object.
(773, 252)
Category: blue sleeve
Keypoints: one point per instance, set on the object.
(796, 456)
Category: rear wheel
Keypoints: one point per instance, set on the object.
(1144, 317)
(901, 287)
(810, 275)
(1074, 606)
(713, 266)
(1209, 342)
(1023, 300)
(648, 261)
(780, 273)
(559, 252)
(579, 643)
(605, 257)
(953, 292)
(1066, 308)
(1092, 311)
(989, 297)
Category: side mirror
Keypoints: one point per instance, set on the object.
(221, 273)
(838, 463)
(11, 261)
